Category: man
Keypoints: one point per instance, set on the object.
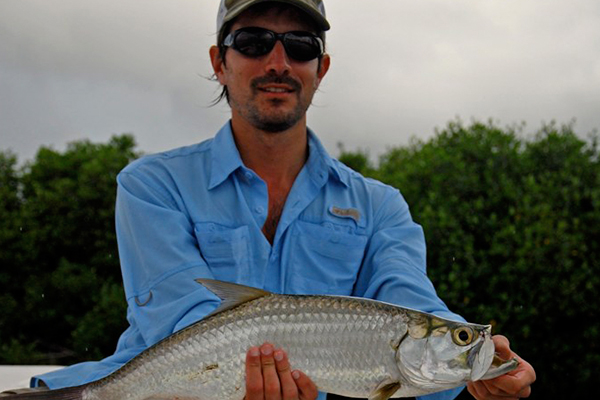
(264, 205)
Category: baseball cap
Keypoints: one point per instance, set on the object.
(229, 9)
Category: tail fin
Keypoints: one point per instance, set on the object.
(72, 393)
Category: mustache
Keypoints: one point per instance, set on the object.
(281, 80)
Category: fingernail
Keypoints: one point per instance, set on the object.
(278, 355)
(254, 352)
(296, 374)
(266, 350)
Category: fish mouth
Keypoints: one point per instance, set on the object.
(500, 367)
(481, 356)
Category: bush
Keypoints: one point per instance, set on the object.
(513, 233)
(59, 254)
(512, 226)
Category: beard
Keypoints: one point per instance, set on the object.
(276, 121)
(276, 118)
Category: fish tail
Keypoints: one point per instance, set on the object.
(72, 393)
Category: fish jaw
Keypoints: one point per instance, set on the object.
(500, 367)
(483, 356)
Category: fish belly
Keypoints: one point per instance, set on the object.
(345, 347)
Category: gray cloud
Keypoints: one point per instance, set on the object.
(72, 69)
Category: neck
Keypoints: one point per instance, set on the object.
(277, 157)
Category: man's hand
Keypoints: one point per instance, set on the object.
(270, 377)
(513, 385)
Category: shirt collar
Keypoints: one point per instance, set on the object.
(226, 159)
(320, 161)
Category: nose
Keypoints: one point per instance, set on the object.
(278, 62)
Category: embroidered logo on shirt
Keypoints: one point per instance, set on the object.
(346, 213)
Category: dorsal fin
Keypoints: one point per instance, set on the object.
(231, 294)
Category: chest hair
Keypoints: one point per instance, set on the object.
(270, 227)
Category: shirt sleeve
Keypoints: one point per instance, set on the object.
(160, 259)
(394, 267)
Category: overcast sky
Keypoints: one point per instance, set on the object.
(75, 69)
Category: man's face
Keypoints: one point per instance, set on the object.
(271, 92)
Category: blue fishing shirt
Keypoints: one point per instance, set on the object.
(197, 212)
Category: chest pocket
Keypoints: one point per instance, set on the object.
(225, 250)
(325, 260)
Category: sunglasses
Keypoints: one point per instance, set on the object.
(256, 42)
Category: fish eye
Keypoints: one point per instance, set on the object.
(463, 336)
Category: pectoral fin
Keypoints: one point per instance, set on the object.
(385, 390)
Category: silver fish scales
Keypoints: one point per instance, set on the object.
(348, 346)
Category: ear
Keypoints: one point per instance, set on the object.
(218, 64)
(325, 62)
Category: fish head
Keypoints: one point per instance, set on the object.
(437, 354)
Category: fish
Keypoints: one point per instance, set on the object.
(349, 346)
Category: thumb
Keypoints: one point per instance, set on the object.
(502, 346)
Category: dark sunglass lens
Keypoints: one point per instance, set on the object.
(254, 43)
(302, 47)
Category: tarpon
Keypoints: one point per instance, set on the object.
(354, 347)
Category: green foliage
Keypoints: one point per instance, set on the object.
(61, 294)
(357, 160)
(512, 225)
(513, 233)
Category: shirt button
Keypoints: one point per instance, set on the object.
(248, 176)
(259, 210)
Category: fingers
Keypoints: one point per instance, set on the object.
(269, 376)
(254, 379)
(481, 392)
(271, 384)
(513, 385)
(294, 384)
(307, 388)
(517, 382)
(289, 390)
(485, 390)
(502, 347)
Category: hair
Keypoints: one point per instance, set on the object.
(257, 10)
